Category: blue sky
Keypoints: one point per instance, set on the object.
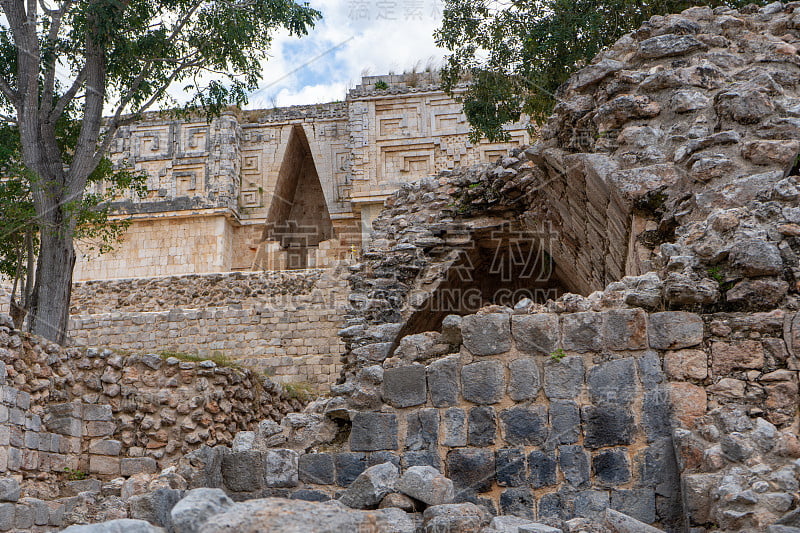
(354, 37)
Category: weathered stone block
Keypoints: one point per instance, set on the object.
(427, 485)
(525, 425)
(378, 458)
(537, 333)
(611, 467)
(243, 471)
(613, 381)
(6, 516)
(686, 364)
(565, 420)
(104, 465)
(422, 458)
(483, 382)
(137, 465)
(97, 412)
(316, 468)
(471, 468)
(574, 464)
(671, 330)
(510, 466)
(405, 386)
(443, 381)
(607, 425)
(637, 503)
(551, 506)
(756, 258)
(517, 502)
(688, 402)
(348, 466)
(563, 379)
(583, 332)
(591, 503)
(369, 488)
(524, 379)
(105, 447)
(487, 334)
(373, 431)
(543, 469)
(625, 329)
(455, 427)
(99, 428)
(9, 489)
(422, 431)
(280, 468)
(726, 356)
(482, 426)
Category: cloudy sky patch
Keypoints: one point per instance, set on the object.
(354, 37)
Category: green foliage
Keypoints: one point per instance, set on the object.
(381, 85)
(218, 357)
(298, 391)
(74, 474)
(716, 274)
(517, 54)
(557, 355)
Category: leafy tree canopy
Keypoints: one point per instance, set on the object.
(65, 64)
(517, 53)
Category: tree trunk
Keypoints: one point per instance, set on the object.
(49, 313)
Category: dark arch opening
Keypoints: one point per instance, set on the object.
(298, 216)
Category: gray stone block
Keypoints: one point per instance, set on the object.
(105, 447)
(97, 412)
(427, 485)
(483, 382)
(155, 507)
(565, 421)
(510, 467)
(551, 506)
(650, 370)
(422, 458)
(611, 467)
(369, 488)
(671, 330)
(525, 426)
(487, 334)
(524, 379)
(542, 466)
(582, 332)
(574, 465)
(482, 426)
(6, 516)
(130, 466)
(373, 431)
(656, 414)
(443, 381)
(348, 466)
(591, 503)
(625, 329)
(563, 379)
(280, 468)
(537, 333)
(9, 489)
(422, 431)
(405, 386)
(196, 507)
(23, 516)
(378, 458)
(613, 381)
(471, 469)
(518, 502)
(309, 495)
(607, 425)
(638, 503)
(316, 468)
(455, 427)
(243, 471)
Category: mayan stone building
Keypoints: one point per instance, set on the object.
(286, 188)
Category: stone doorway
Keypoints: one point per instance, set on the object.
(298, 219)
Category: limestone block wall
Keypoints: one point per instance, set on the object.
(162, 247)
(282, 323)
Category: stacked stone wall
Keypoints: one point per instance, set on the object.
(281, 323)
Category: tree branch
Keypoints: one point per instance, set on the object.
(51, 48)
(68, 96)
(10, 94)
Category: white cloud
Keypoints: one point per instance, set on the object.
(353, 37)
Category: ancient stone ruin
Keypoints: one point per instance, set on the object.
(597, 333)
